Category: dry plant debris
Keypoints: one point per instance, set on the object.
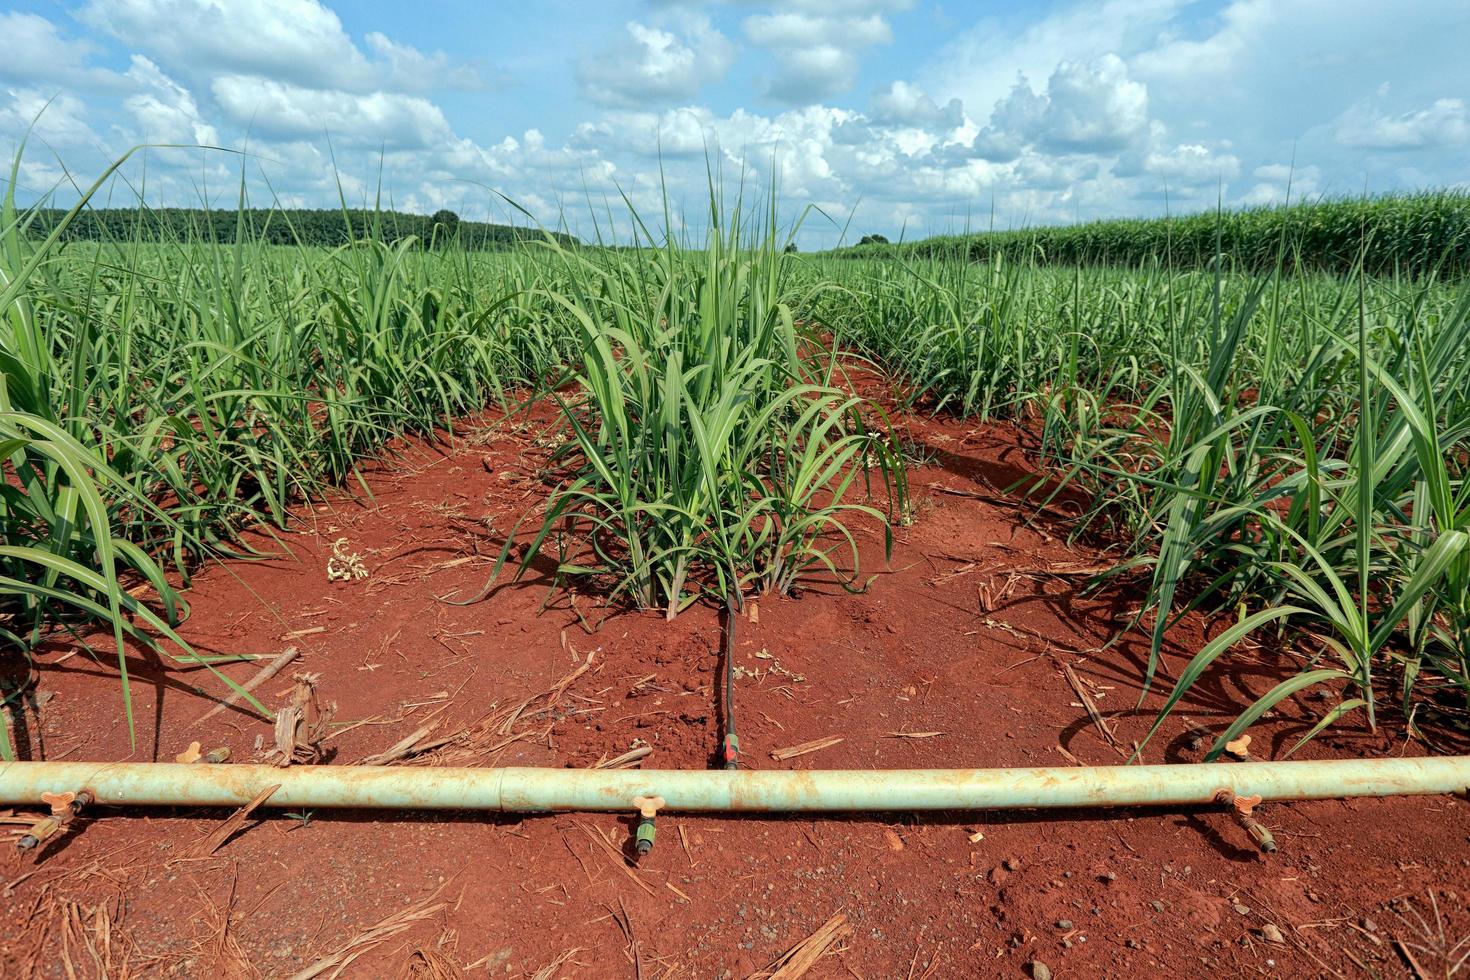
(797, 960)
(302, 725)
(266, 673)
(550, 970)
(1087, 703)
(436, 962)
(64, 937)
(230, 826)
(483, 742)
(362, 942)
(628, 760)
(344, 565)
(815, 745)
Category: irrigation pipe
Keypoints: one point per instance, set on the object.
(730, 745)
(525, 790)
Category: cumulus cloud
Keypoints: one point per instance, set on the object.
(35, 51)
(682, 133)
(286, 111)
(905, 104)
(1444, 123)
(816, 45)
(1192, 163)
(1094, 107)
(981, 63)
(165, 111)
(651, 66)
(298, 42)
(59, 120)
(1280, 183)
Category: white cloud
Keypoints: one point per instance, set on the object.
(651, 66)
(412, 69)
(905, 104)
(1093, 107)
(59, 120)
(981, 65)
(1191, 163)
(164, 110)
(285, 111)
(816, 45)
(1444, 123)
(1270, 73)
(36, 52)
(1244, 26)
(685, 132)
(1280, 183)
(1087, 107)
(298, 42)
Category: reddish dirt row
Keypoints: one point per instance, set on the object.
(964, 633)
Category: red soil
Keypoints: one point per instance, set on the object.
(964, 633)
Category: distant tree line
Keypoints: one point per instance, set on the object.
(1397, 233)
(327, 227)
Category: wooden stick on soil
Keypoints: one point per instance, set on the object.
(625, 761)
(816, 745)
(231, 825)
(797, 960)
(1092, 712)
(400, 749)
(266, 673)
(392, 925)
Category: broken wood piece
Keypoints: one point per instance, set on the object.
(624, 761)
(401, 749)
(799, 959)
(805, 748)
(302, 724)
(1092, 712)
(266, 673)
(309, 631)
(230, 826)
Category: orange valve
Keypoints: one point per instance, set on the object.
(1244, 809)
(64, 808)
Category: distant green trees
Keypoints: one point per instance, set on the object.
(446, 225)
(873, 240)
(326, 228)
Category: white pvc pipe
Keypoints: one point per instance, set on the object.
(525, 789)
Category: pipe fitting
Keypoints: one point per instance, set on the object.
(648, 807)
(1243, 808)
(64, 809)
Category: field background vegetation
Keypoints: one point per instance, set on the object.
(1415, 234)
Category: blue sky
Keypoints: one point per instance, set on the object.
(910, 116)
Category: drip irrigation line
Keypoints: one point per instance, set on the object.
(731, 746)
